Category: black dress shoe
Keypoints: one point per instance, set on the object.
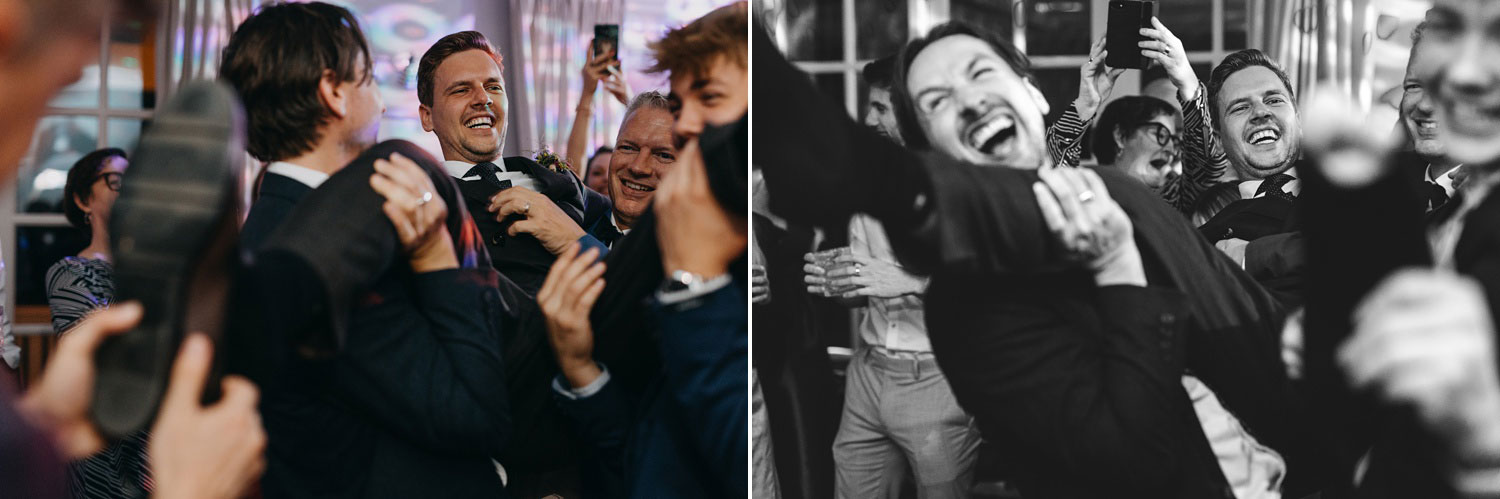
(174, 227)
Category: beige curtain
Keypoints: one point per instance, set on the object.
(553, 37)
(1319, 42)
(193, 34)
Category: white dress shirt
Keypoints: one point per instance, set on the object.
(458, 170)
(1445, 180)
(307, 176)
(893, 323)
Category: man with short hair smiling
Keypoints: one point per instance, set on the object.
(708, 70)
(463, 102)
(1428, 158)
(644, 152)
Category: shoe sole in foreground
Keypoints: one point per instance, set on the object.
(173, 240)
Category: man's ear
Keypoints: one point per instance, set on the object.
(1036, 95)
(334, 98)
(425, 113)
(1119, 142)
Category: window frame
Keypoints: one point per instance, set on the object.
(12, 220)
(923, 14)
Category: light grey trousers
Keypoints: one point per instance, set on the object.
(900, 413)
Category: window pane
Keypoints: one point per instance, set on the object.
(882, 28)
(59, 141)
(1236, 24)
(124, 133)
(83, 93)
(1060, 87)
(1057, 27)
(132, 70)
(995, 16)
(1190, 20)
(37, 248)
(815, 30)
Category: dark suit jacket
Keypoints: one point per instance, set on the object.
(522, 258)
(1356, 238)
(1077, 390)
(1275, 255)
(415, 404)
(685, 435)
(276, 197)
(549, 444)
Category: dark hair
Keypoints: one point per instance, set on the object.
(1416, 33)
(880, 73)
(447, 46)
(1235, 62)
(901, 100)
(589, 166)
(275, 60)
(80, 183)
(1123, 116)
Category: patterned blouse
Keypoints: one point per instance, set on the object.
(75, 288)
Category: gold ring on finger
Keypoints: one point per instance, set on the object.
(1085, 196)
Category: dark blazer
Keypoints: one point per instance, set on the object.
(540, 458)
(276, 197)
(415, 403)
(522, 258)
(1343, 224)
(1275, 255)
(686, 434)
(1065, 381)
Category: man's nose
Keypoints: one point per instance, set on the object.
(976, 104)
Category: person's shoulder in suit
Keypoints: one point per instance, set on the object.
(277, 196)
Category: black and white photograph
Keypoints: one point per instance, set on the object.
(1100, 249)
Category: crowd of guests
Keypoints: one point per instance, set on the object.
(384, 323)
(1246, 295)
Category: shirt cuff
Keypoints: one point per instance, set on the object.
(1476, 483)
(708, 286)
(560, 386)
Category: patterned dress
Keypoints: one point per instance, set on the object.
(75, 288)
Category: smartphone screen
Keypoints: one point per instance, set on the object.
(1123, 36)
(606, 38)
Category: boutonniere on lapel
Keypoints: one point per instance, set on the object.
(551, 160)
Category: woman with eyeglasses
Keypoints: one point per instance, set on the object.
(79, 285)
(1141, 136)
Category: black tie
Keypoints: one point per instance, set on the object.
(488, 172)
(1436, 195)
(1273, 184)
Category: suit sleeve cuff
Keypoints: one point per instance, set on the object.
(560, 386)
(709, 286)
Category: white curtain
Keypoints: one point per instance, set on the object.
(552, 37)
(1319, 42)
(193, 34)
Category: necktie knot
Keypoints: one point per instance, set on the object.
(488, 172)
(1274, 186)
